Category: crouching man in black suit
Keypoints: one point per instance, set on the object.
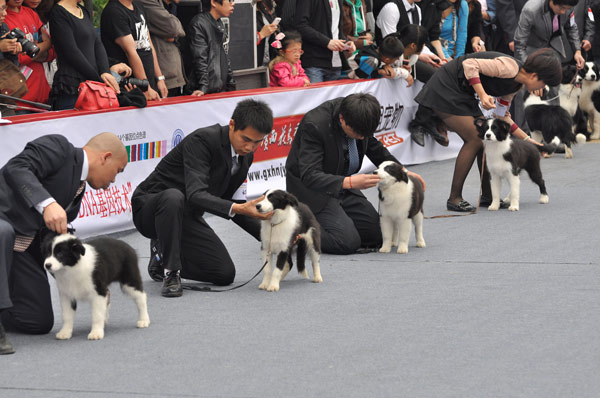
(199, 175)
(327, 152)
(44, 185)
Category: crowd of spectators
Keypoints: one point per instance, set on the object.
(332, 39)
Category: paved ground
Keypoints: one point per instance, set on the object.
(499, 304)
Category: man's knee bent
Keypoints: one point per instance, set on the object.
(30, 323)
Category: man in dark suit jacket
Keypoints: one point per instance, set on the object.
(327, 151)
(199, 175)
(43, 186)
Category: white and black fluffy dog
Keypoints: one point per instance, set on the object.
(290, 220)
(505, 158)
(549, 123)
(400, 201)
(83, 271)
(590, 86)
(569, 93)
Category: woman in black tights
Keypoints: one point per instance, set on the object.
(456, 90)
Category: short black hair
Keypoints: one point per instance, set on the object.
(412, 33)
(206, 4)
(571, 3)
(546, 64)
(253, 113)
(391, 46)
(362, 113)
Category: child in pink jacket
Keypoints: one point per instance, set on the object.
(285, 69)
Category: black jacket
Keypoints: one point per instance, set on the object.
(318, 160)
(313, 21)
(208, 64)
(199, 167)
(49, 166)
(431, 16)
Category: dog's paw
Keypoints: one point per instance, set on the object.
(421, 244)
(64, 334)
(143, 323)
(318, 279)
(402, 249)
(513, 208)
(494, 206)
(544, 199)
(273, 288)
(385, 249)
(96, 335)
(262, 286)
(304, 274)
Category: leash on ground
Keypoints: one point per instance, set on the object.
(188, 286)
(201, 288)
(478, 200)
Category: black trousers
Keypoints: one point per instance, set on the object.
(25, 302)
(348, 224)
(188, 243)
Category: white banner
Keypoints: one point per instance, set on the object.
(150, 133)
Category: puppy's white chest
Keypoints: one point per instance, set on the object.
(397, 200)
(76, 282)
(494, 155)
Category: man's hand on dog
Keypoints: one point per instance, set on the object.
(360, 181)
(55, 218)
(249, 209)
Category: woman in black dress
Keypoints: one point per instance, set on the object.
(455, 91)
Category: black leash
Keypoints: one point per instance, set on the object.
(197, 288)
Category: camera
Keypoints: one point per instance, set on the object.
(29, 47)
(123, 81)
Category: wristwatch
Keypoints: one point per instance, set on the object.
(161, 77)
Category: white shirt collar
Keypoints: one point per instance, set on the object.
(233, 154)
(86, 166)
(408, 6)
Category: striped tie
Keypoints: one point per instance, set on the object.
(22, 242)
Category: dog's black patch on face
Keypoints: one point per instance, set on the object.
(569, 72)
(281, 199)
(501, 129)
(74, 305)
(380, 195)
(69, 252)
(481, 126)
(396, 171)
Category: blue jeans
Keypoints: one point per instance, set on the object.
(316, 75)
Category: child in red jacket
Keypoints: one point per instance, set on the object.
(285, 69)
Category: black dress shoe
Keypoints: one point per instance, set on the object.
(156, 268)
(172, 285)
(462, 207)
(417, 133)
(5, 346)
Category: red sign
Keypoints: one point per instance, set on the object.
(278, 143)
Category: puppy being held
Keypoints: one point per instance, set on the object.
(505, 158)
(292, 223)
(400, 201)
(83, 271)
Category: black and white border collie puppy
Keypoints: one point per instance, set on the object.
(569, 92)
(83, 271)
(549, 123)
(400, 201)
(590, 84)
(290, 220)
(505, 158)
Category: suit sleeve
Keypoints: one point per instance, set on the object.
(310, 161)
(161, 22)
(302, 22)
(507, 17)
(573, 32)
(197, 167)
(25, 172)
(522, 33)
(589, 25)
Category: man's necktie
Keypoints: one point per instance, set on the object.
(352, 156)
(555, 23)
(23, 242)
(415, 15)
(235, 164)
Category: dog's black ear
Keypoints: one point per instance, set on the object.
(292, 200)
(46, 245)
(77, 247)
(505, 127)
(480, 126)
(396, 171)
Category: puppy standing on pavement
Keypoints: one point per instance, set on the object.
(505, 158)
(83, 271)
(291, 219)
(400, 201)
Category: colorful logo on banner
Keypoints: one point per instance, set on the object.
(178, 136)
(146, 150)
(277, 144)
(390, 118)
